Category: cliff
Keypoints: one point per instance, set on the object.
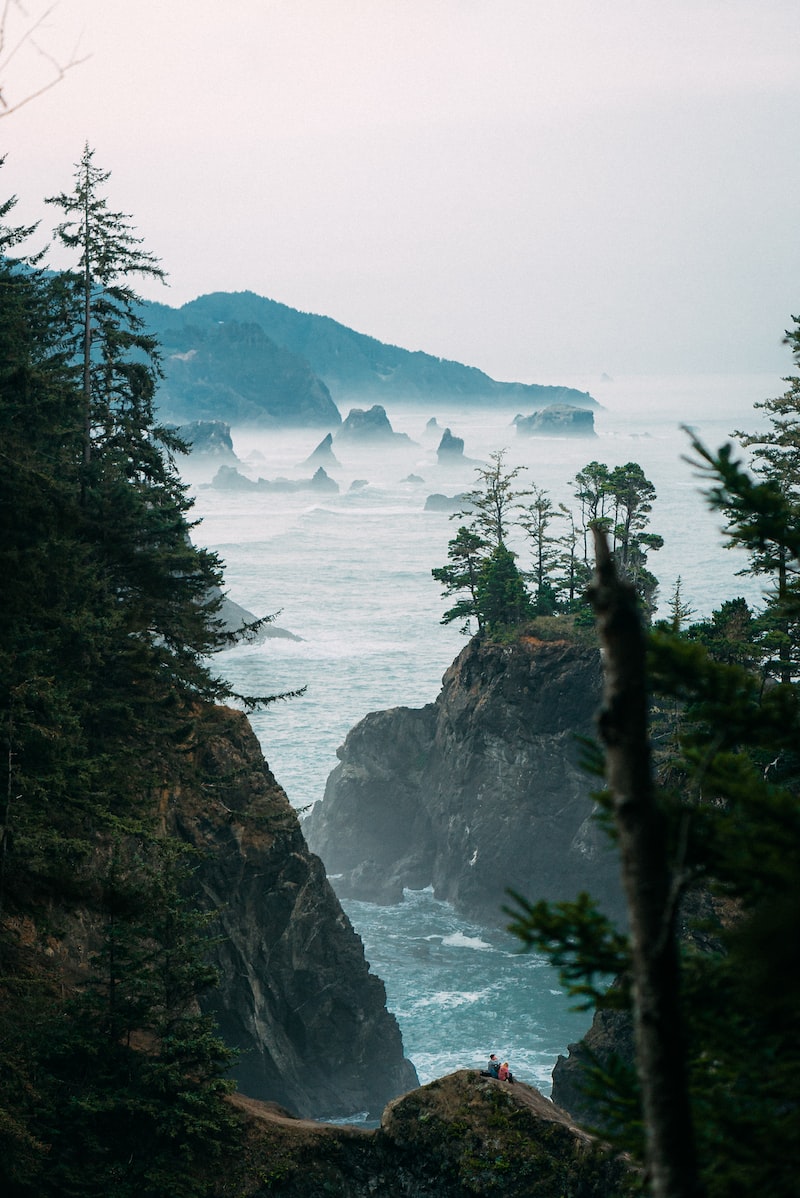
(461, 1135)
(478, 792)
(296, 996)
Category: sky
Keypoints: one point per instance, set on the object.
(540, 188)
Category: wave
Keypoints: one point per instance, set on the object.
(451, 999)
(461, 940)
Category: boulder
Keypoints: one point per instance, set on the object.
(481, 791)
(557, 420)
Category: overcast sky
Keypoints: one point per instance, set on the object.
(541, 188)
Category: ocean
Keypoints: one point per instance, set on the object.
(350, 573)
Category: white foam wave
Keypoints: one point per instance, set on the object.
(460, 940)
(451, 999)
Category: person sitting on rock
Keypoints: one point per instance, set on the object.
(493, 1068)
(504, 1074)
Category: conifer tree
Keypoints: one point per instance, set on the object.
(466, 553)
(107, 622)
(493, 506)
(501, 596)
(100, 308)
(776, 460)
(535, 520)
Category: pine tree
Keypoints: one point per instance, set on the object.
(100, 308)
(535, 521)
(593, 492)
(466, 553)
(776, 460)
(501, 598)
(492, 507)
(108, 619)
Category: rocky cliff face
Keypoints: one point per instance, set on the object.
(296, 996)
(477, 792)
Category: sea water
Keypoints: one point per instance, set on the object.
(350, 574)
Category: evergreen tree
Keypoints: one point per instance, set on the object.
(776, 460)
(492, 507)
(108, 621)
(536, 520)
(501, 597)
(133, 1101)
(679, 610)
(466, 553)
(572, 573)
(730, 634)
(633, 497)
(593, 492)
(100, 310)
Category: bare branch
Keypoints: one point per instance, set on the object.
(56, 67)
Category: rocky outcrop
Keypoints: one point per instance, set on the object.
(208, 438)
(478, 792)
(446, 503)
(609, 1038)
(237, 620)
(296, 997)
(228, 478)
(609, 1042)
(450, 448)
(557, 420)
(370, 426)
(323, 455)
(461, 1135)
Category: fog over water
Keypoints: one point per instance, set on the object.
(349, 573)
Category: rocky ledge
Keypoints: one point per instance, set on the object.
(481, 791)
(461, 1135)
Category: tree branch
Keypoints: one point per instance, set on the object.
(58, 68)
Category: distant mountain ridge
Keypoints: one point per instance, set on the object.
(241, 357)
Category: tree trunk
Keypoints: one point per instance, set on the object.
(646, 876)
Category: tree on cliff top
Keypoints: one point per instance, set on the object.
(492, 506)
